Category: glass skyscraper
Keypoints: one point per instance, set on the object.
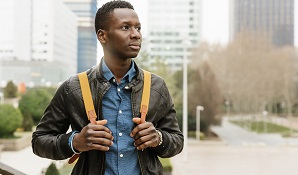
(87, 40)
(175, 26)
(273, 17)
(39, 52)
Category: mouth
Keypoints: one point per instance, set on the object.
(135, 46)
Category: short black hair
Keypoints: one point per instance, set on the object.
(103, 14)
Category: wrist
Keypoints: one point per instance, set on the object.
(70, 143)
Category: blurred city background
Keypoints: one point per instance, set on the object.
(231, 67)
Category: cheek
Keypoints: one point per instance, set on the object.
(119, 40)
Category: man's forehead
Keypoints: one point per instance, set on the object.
(124, 13)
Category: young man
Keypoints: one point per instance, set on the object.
(118, 143)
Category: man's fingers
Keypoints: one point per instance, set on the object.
(100, 147)
(136, 120)
(101, 141)
(145, 145)
(101, 122)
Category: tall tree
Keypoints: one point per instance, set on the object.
(10, 91)
(204, 91)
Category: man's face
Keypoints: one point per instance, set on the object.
(124, 34)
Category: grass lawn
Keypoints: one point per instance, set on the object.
(261, 126)
(166, 164)
(66, 169)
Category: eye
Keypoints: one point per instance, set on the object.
(124, 27)
(138, 28)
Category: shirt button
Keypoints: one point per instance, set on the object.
(118, 89)
(120, 134)
(120, 112)
(121, 155)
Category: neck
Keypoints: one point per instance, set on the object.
(118, 67)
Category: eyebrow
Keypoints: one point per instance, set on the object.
(129, 22)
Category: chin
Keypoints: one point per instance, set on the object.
(133, 55)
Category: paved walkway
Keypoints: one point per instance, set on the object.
(25, 161)
(235, 135)
(206, 158)
(240, 153)
(221, 159)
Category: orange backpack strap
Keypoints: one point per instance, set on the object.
(145, 96)
(87, 97)
(88, 102)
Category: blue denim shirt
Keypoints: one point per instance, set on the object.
(122, 158)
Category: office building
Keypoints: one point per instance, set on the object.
(38, 42)
(174, 28)
(273, 18)
(87, 40)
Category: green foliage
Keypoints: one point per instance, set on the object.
(166, 164)
(28, 121)
(192, 134)
(52, 170)
(261, 126)
(35, 102)
(66, 169)
(10, 91)
(11, 119)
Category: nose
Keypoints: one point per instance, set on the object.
(135, 33)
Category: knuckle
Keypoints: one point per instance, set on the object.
(100, 140)
(146, 144)
(88, 140)
(89, 132)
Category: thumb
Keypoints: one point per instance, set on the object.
(136, 120)
(101, 122)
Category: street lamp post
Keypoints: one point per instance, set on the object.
(186, 43)
(185, 122)
(227, 103)
(199, 109)
(265, 113)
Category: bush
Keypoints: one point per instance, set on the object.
(28, 121)
(166, 164)
(34, 102)
(52, 170)
(10, 91)
(11, 119)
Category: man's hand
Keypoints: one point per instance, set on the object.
(144, 134)
(93, 137)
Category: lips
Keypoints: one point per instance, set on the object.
(135, 46)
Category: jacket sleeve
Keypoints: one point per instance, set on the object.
(168, 125)
(50, 139)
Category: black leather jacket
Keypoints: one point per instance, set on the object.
(50, 140)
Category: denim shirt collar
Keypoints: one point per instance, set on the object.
(109, 75)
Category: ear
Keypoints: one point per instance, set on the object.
(101, 36)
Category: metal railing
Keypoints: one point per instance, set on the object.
(7, 170)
